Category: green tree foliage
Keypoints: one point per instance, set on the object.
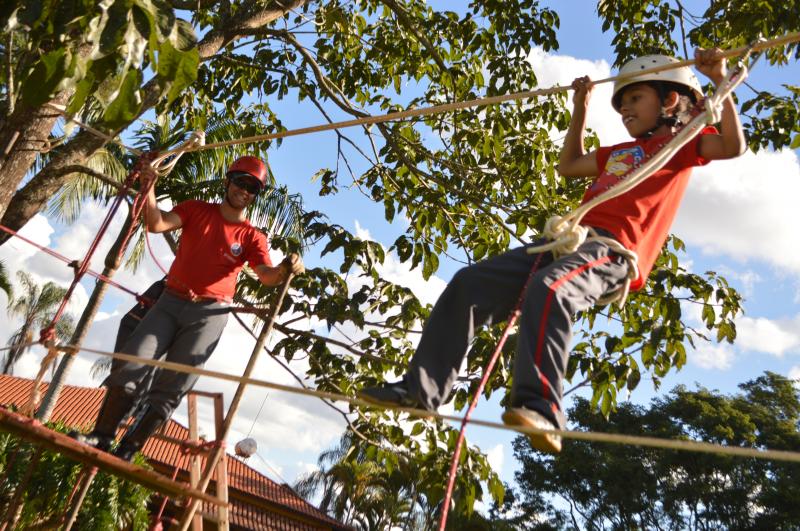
(111, 503)
(600, 486)
(472, 183)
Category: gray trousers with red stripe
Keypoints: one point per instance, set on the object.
(486, 293)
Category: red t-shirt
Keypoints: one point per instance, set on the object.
(212, 251)
(640, 218)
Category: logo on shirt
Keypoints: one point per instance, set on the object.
(236, 249)
(622, 160)
(619, 163)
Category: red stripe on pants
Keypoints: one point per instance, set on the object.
(537, 359)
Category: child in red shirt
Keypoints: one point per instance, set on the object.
(651, 106)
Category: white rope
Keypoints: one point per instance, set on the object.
(165, 162)
(591, 436)
(566, 233)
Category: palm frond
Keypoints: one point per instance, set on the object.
(5, 282)
(79, 187)
(279, 213)
(101, 367)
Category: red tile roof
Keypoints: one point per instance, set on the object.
(257, 502)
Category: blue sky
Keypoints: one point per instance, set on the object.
(735, 220)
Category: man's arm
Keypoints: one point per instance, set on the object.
(157, 220)
(730, 142)
(276, 275)
(573, 162)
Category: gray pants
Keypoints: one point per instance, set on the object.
(486, 293)
(187, 332)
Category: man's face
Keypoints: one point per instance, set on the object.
(640, 107)
(242, 190)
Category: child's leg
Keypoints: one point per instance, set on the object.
(479, 294)
(556, 293)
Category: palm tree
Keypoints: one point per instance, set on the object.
(35, 305)
(357, 491)
(5, 284)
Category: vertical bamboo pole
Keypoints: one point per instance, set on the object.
(215, 456)
(86, 479)
(222, 467)
(194, 468)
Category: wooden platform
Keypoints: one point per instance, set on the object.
(36, 433)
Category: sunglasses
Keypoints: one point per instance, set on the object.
(246, 183)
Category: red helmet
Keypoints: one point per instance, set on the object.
(252, 166)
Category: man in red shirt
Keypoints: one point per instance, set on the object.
(186, 322)
(651, 106)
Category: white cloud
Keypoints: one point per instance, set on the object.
(713, 356)
(775, 337)
(794, 374)
(401, 274)
(496, 456)
(740, 207)
(601, 117)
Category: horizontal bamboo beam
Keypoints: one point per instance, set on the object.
(35, 432)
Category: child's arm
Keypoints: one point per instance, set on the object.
(730, 142)
(573, 162)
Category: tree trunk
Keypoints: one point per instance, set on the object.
(16, 209)
(22, 136)
(112, 263)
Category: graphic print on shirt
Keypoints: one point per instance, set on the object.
(620, 162)
(234, 252)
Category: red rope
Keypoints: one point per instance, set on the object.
(451, 480)
(66, 260)
(156, 525)
(140, 200)
(48, 333)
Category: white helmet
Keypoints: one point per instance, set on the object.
(682, 76)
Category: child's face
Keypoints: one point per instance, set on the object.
(640, 107)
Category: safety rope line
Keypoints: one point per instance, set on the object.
(478, 102)
(68, 261)
(47, 335)
(487, 372)
(565, 232)
(789, 38)
(615, 438)
(48, 332)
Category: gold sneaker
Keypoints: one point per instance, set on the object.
(528, 418)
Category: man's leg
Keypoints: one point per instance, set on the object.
(149, 340)
(556, 293)
(479, 294)
(200, 327)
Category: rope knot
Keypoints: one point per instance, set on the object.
(566, 236)
(713, 110)
(47, 336)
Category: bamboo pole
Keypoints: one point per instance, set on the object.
(216, 455)
(35, 432)
(85, 482)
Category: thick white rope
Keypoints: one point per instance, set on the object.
(566, 233)
(163, 163)
(615, 438)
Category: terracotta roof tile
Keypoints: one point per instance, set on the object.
(78, 407)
